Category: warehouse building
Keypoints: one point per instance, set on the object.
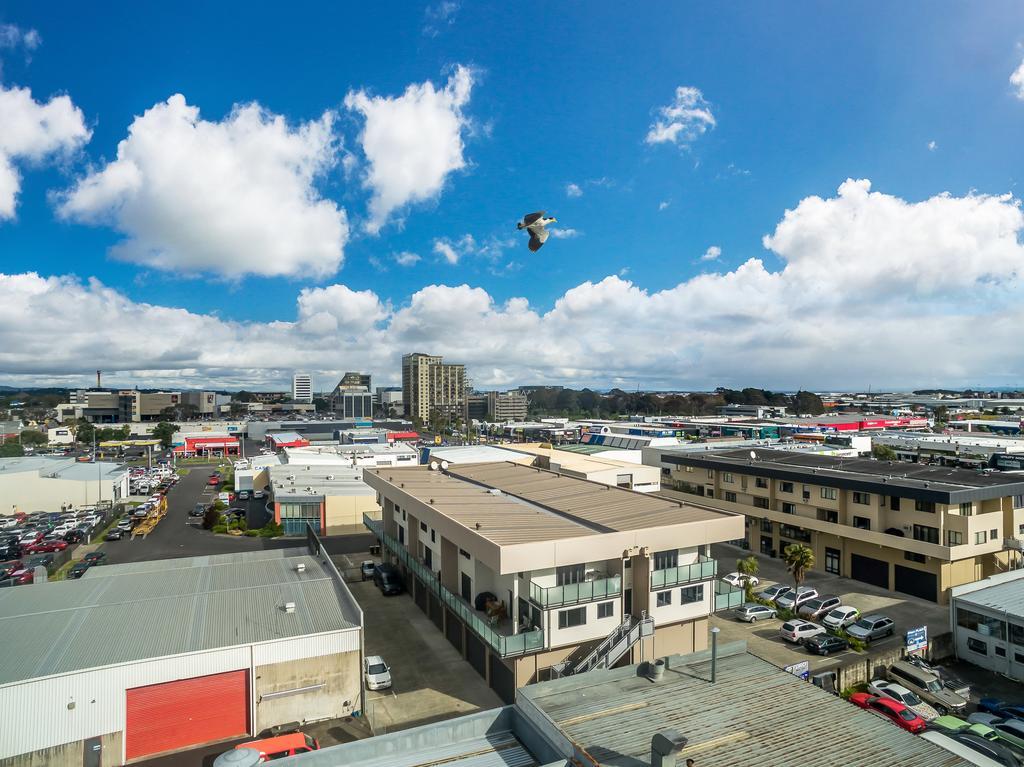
(148, 658)
(987, 618)
(330, 499)
(45, 483)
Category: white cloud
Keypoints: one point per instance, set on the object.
(438, 16)
(405, 258)
(712, 253)
(933, 145)
(34, 132)
(564, 232)
(232, 197)
(411, 142)
(1017, 81)
(686, 119)
(12, 36)
(573, 190)
(865, 278)
(454, 250)
(663, 204)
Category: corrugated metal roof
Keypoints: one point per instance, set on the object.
(1003, 597)
(121, 613)
(497, 750)
(755, 714)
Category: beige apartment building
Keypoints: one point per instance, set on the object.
(430, 384)
(907, 527)
(581, 575)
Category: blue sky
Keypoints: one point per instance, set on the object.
(916, 98)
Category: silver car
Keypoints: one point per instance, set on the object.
(818, 607)
(751, 612)
(793, 600)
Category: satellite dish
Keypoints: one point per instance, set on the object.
(753, 455)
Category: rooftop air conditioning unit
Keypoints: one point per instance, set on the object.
(289, 607)
(300, 567)
(330, 476)
(290, 477)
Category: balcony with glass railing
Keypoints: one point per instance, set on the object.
(505, 645)
(575, 593)
(727, 597)
(703, 569)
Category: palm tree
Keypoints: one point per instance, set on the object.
(748, 566)
(799, 559)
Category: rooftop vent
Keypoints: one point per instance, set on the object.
(478, 525)
(300, 567)
(289, 607)
(665, 745)
(290, 477)
(330, 476)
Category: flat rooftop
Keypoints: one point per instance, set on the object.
(297, 480)
(1005, 595)
(121, 613)
(535, 505)
(755, 714)
(62, 468)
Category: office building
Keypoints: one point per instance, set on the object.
(430, 385)
(141, 659)
(302, 387)
(352, 397)
(389, 400)
(530, 571)
(498, 406)
(907, 527)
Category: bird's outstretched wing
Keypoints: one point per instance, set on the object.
(538, 236)
(529, 218)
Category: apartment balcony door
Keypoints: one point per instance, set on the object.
(832, 560)
(467, 588)
(627, 602)
(766, 544)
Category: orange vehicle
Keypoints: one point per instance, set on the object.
(281, 746)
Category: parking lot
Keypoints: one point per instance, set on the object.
(763, 637)
(430, 680)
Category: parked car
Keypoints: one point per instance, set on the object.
(957, 685)
(378, 675)
(928, 686)
(387, 579)
(78, 570)
(281, 746)
(872, 627)
(1001, 708)
(1010, 730)
(892, 710)
(6, 568)
(95, 558)
(20, 577)
(199, 510)
(125, 523)
(39, 560)
(771, 593)
(366, 569)
(244, 495)
(793, 600)
(824, 644)
(797, 630)
(739, 580)
(840, 617)
(213, 480)
(752, 612)
(818, 608)
(114, 535)
(986, 745)
(42, 547)
(258, 494)
(908, 698)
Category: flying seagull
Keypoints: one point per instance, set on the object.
(534, 223)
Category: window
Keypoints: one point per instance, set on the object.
(862, 523)
(726, 476)
(894, 502)
(926, 534)
(401, 535)
(605, 609)
(1020, 529)
(761, 482)
(663, 560)
(766, 525)
(464, 553)
(428, 558)
(664, 598)
(423, 526)
(711, 474)
(954, 538)
(980, 537)
(433, 535)
(785, 487)
(924, 506)
(966, 509)
(761, 503)
(832, 561)
(788, 508)
(1018, 657)
(574, 617)
(403, 515)
(624, 480)
(981, 624)
(910, 556)
(730, 497)
(1016, 634)
(978, 646)
(829, 493)
(795, 533)
(1000, 651)
(828, 515)
(691, 594)
(567, 574)
(1018, 501)
(862, 498)
(993, 534)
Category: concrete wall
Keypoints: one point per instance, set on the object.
(346, 510)
(69, 754)
(27, 491)
(339, 673)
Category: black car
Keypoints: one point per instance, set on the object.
(74, 536)
(114, 535)
(78, 570)
(823, 644)
(198, 511)
(39, 560)
(388, 579)
(95, 558)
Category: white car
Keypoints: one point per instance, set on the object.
(898, 692)
(841, 617)
(739, 580)
(797, 630)
(8, 522)
(258, 494)
(378, 675)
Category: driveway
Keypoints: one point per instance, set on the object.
(763, 637)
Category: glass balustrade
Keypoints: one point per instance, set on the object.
(575, 593)
(701, 570)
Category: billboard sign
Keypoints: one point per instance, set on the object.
(917, 639)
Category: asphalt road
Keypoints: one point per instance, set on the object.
(179, 536)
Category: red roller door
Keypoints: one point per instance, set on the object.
(174, 715)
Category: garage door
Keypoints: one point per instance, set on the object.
(869, 570)
(166, 717)
(917, 583)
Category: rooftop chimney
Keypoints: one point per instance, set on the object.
(665, 745)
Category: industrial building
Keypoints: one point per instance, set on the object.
(987, 618)
(44, 483)
(907, 527)
(141, 659)
(302, 387)
(349, 455)
(529, 572)
(430, 385)
(330, 499)
(726, 712)
(968, 450)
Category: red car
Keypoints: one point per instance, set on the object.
(21, 577)
(891, 709)
(44, 547)
(7, 568)
(213, 481)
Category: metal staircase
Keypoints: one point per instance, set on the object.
(610, 649)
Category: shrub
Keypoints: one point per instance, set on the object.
(219, 505)
(252, 533)
(212, 517)
(220, 528)
(859, 687)
(784, 614)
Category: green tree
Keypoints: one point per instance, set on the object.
(748, 566)
(165, 433)
(799, 559)
(941, 414)
(11, 449)
(33, 437)
(884, 453)
(84, 431)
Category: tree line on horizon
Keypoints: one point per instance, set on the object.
(591, 404)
